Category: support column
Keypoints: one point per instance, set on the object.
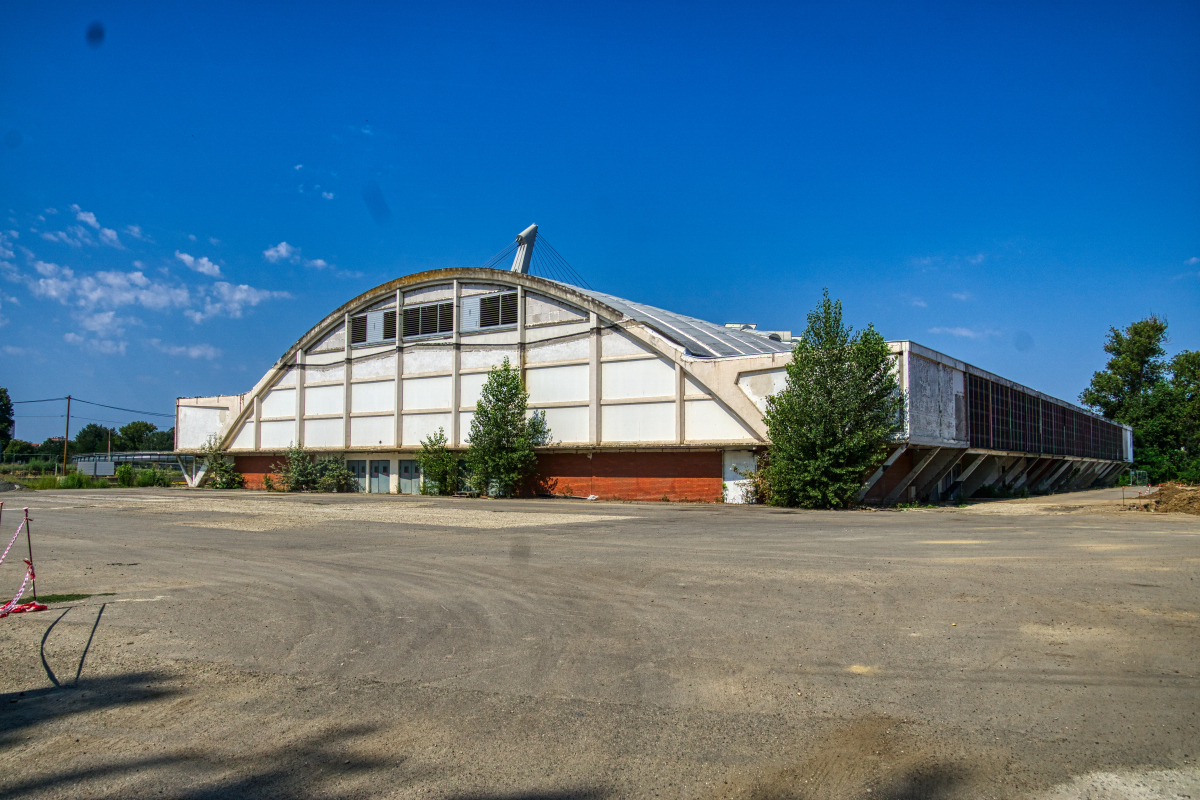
(1026, 470)
(399, 402)
(594, 356)
(456, 361)
(679, 384)
(926, 487)
(910, 477)
(301, 373)
(257, 423)
(877, 474)
(979, 473)
(1051, 476)
(349, 362)
(1064, 480)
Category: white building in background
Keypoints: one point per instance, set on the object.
(642, 403)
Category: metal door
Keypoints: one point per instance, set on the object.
(410, 477)
(381, 477)
(359, 468)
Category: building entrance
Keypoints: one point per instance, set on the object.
(410, 477)
(381, 477)
(359, 468)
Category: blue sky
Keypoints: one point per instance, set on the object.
(999, 182)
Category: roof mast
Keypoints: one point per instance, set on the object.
(526, 239)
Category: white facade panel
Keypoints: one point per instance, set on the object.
(321, 433)
(288, 379)
(570, 350)
(936, 401)
(540, 310)
(418, 361)
(418, 426)
(429, 294)
(334, 340)
(333, 372)
(557, 384)
(707, 421)
(468, 289)
(278, 435)
(469, 387)
(373, 431)
(374, 327)
(196, 424)
(279, 403)
(245, 437)
(691, 387)
(373, 396)
(624, 380)
(758, 386)
(485, 359)
(377, 367)
(320, 400)
(638, 422)
(427, 393)
(464, 426)
(568, 425)
(615, 343)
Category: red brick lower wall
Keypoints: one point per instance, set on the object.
(632, 476)
(253, 468)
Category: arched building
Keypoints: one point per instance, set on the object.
(642, 403)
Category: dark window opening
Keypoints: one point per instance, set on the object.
(358, 330)
(428, 319)
(389, 325)
(498, 309)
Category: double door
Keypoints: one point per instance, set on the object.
(381, 477)
(359, 468)
(410, 477)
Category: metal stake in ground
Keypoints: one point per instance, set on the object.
(29, 542)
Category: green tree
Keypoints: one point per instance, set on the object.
(17, 447)
(831, 422)
(93, 438)
(8, 422)
(221, 474)
(438, 465)
(1136, 367)
(134, 435)
(300, 472)
(503, 435)
(52, 448)
(162, 441)
(1159, 399)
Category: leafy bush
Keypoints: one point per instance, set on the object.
(300, 472)
(72, 480)
(439, 466)
(153, 477)
(125, 476)
(221, 474)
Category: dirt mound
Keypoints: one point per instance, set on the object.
(1174, 498)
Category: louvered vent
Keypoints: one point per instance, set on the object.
(389, 325)
(358, 330)
(428, 319)
(498, 309)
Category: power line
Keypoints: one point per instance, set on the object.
(101, 405)
(50, 400)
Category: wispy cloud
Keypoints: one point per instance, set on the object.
(1193, 261)
(191, 350)
(201, 265)
(225, 299)
(104, 346)
(104, 289)
(85, 216)
(135, 231)
(978, 258)
(963, 296)
(919, 303)
(966, 333)
(75, 236)
(285, 252)
(327, 195)
(109, 237)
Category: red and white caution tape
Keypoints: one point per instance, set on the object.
(14, 540)
(12, 607)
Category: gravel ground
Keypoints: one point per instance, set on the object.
(360, 646)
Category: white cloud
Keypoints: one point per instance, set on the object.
(966, 333)
(192, 236)
(1193, 261)
(919, 303)
(104, 289)
(327, 195)
(229, 300)
(191, 351)
(100, 322)
(964, 296)
(298, 167)
(201, 265)
(976, 259)
(280, 252)
(85, 216)
(50, 211)
(60, 236)
(285, 252)
(6, 250)
(9, 350)
(135, 231)
(109, 237)
(214, 241)
(105, 346)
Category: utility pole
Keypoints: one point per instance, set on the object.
(67, 436)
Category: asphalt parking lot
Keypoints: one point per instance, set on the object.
(363, 646)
